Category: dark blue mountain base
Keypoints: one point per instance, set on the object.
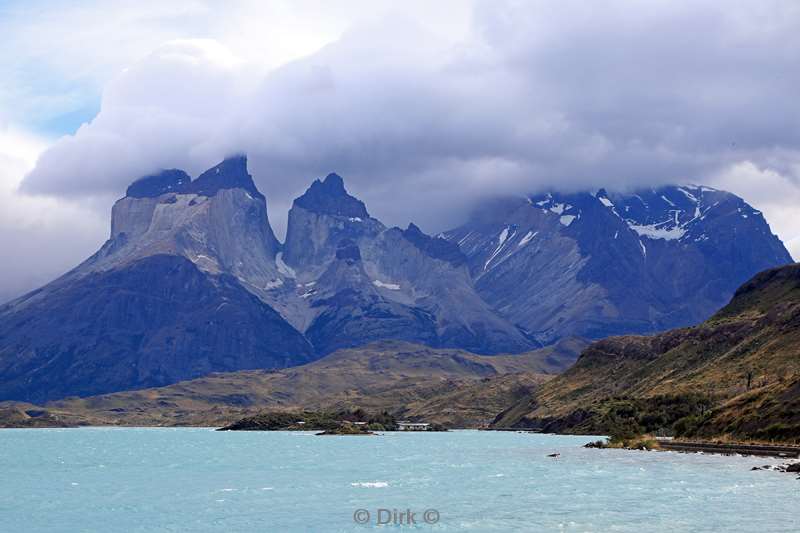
(156, 322)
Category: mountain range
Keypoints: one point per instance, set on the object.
(193, 280)
(600, 264)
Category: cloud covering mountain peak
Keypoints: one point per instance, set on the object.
(531, 97)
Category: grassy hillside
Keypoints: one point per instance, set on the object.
(410, 381)
(736, 375)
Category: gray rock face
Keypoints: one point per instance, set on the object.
(320, 219)
(219, 225)
(603, 264)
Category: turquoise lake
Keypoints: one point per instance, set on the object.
(114, 479)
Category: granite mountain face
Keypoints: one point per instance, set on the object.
(602, 264)
(193, 280)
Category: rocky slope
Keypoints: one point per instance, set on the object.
(411, 381)
(605, 264)
(736, 374)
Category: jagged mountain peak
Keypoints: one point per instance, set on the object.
(322, 217)
(330, 197)
(231, 173)
(334, 183)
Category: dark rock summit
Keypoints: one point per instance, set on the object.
(166, 181)
(229, 174)
(324, 215)
(329, 197)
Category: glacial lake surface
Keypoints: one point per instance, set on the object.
(199, 480)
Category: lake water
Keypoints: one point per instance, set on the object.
(112, 479)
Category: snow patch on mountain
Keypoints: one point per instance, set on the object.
(566, 220)
(274, 284)
(527, 238)
(382, 285)
(283, 268)
(689, 195)
(659, 231)
(502, 238)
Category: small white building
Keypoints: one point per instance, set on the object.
(413, 426)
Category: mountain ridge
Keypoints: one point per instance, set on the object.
(527, 272)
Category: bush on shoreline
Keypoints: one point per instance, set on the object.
(638, 442)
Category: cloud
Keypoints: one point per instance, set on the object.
(58, 56)
(422, 115)
(774, 193)
(41, 238)
(159, 113)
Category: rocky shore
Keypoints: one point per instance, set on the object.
(356, 422)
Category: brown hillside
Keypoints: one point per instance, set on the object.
(736, 374)
(411, 381)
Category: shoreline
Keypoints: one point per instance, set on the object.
(784, 451)
(766, 450)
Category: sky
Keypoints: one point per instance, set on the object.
(422, 107)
